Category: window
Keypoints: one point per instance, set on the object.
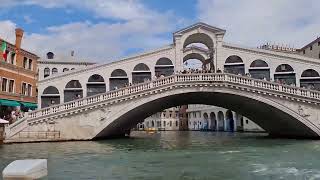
(29, 90)
(304, 51)
(164, 124)
(319, 43)
(177, 123)
(25, 61)
(11, 86)
(311, 48)
(247, 122)
(170, 123)
(6, 58)
(46, 72)
(24, 89)
(12, 57)
(4, 84)
(30, 64)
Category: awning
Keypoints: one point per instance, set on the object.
(29, 105)
(4, 102)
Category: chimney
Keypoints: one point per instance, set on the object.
(19, 34)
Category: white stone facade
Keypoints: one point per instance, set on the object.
(213, 118)
(167, 120)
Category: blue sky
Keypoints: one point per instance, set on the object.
(105, 30)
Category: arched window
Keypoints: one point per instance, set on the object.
(95, 85)
(141, 73)
(259, 69)
(50, 55)
(310, 79)
(164, 66)
(285, 74)
(73, 90)
(310, 73)
(234, 65)
(54, 70)
(50, 96)
(65, 70)
(118, 79)
(46, 72)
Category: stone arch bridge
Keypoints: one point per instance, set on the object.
(280, 109)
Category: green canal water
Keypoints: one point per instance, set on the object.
(175, 155)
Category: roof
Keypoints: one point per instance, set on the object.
(313, 42)
(21, 49)
(200, 25)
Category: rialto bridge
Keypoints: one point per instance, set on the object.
(108, 99)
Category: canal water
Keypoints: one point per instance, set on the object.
(175, 155)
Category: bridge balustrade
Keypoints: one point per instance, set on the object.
(218, 77)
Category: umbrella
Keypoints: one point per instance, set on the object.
(2, 121)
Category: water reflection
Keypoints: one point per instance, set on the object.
(175, 155)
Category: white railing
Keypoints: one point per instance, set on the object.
(178, 78)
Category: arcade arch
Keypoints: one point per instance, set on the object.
(95, 85)
(50, 96)
(118, 79)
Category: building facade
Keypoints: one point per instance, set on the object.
(212, 118)
(18, 76)
(167, 120)
(312, 49)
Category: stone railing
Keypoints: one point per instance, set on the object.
(178, 78)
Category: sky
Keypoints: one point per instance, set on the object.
(106, 30)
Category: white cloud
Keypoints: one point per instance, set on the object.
(253, 22)
(137, 27)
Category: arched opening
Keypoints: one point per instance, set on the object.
(199, 38)
(234, 65)
(54, 71)
(310, 79)
(229, 121)
(285, 74)
(50, 55)
(206, 121)
(213, 121)
(259, 69)
(194, 61)
(95, 85)
(65, 69)
(220, 121)
(275, 118)
(46, 72)
(73, 90)
(141, 73)
(50, 97)
(164, 67)
(118, 79)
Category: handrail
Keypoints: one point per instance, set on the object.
(219, 77)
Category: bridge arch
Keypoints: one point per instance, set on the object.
(118, 79)
(234, 65)
(285, 74)
(229, 121)
(95, 85)
(274, 117)
(50, 96)
(259, 69)
(310, 79)
(73, 90)
(164, 66)
(141, 73)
